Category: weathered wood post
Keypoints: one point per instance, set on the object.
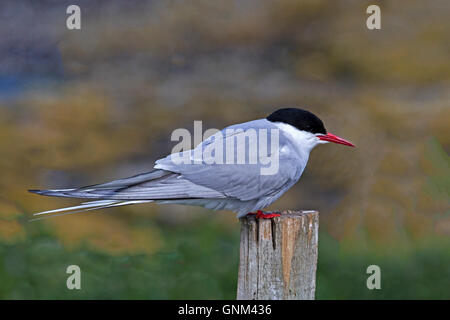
(278, 257)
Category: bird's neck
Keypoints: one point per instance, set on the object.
(302, 141)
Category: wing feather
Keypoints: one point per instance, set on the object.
(240, 181)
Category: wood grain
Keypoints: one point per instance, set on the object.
(278, 257)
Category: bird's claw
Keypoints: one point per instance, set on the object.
(261, 215)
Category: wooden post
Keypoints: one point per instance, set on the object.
(278, 257)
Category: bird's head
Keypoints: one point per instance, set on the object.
(307, 126)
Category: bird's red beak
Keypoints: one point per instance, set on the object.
(332, 138)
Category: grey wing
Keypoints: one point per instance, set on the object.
(239, 181)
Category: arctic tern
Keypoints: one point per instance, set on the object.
(240, 187)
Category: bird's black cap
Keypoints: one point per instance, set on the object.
(301, 119)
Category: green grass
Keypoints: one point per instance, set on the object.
(200, 261)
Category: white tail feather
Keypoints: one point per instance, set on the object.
(86, 206)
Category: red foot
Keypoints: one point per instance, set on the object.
(261, 215)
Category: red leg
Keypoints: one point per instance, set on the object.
(261, 215)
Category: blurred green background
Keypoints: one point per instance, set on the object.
(83, 107)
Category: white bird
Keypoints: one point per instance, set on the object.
(216, 180)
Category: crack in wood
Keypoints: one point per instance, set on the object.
(273, 227)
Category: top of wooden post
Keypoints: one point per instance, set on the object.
(286, 214)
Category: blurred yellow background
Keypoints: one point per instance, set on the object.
(87, 106)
